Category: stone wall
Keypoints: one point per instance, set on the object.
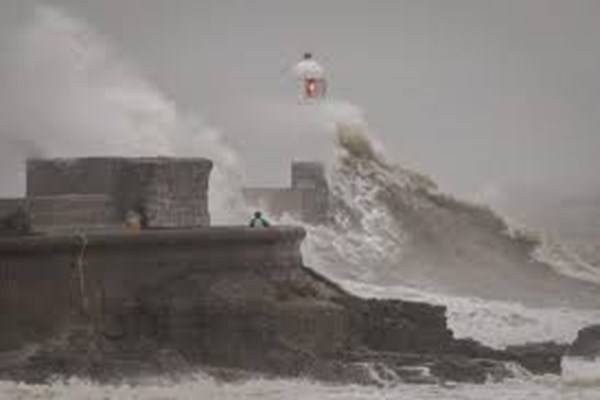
(45, 280)
(58, 176)
(308, 175)
(310, 178)
(73, 212)
(167, 192)
(307, 198)
(9, 207)
(202, 289)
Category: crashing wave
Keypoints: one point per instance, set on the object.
(392, 226)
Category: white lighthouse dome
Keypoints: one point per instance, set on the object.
(309, 69)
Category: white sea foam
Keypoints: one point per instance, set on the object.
(566, 261)
(202, 387)
(579, 371)
(365, 237)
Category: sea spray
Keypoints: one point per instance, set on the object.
(566, 261)
(580, 371)
(390, 225)
(75, 96)
(367, 239)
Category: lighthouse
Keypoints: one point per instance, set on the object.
(311, 79)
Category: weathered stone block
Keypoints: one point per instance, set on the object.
(57, 176)
(167, 192)
(72, 212)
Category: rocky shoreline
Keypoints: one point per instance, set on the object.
(291, 322)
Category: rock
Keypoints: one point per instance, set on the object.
(274, 322)
(473, 349)
(430, 368)
(587, 343)
(471, 370)
(539, 358)
(400, 326)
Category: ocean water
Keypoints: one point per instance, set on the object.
(202, 387)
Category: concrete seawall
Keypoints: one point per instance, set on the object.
(45, 280)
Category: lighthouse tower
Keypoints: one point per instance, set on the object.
(311, 79)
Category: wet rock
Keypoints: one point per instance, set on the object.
(473, 349)
(394, 325)
(539, 358)
(431, 368)
(587, 343)
(283, 322)
(471, 370)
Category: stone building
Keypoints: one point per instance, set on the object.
(307, 198)
(100, 192)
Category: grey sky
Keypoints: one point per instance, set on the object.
(476, 93)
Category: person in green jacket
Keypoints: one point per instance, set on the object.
(259, 221)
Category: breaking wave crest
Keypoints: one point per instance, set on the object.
(392, 226)
(394, 235)
(566, 261)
